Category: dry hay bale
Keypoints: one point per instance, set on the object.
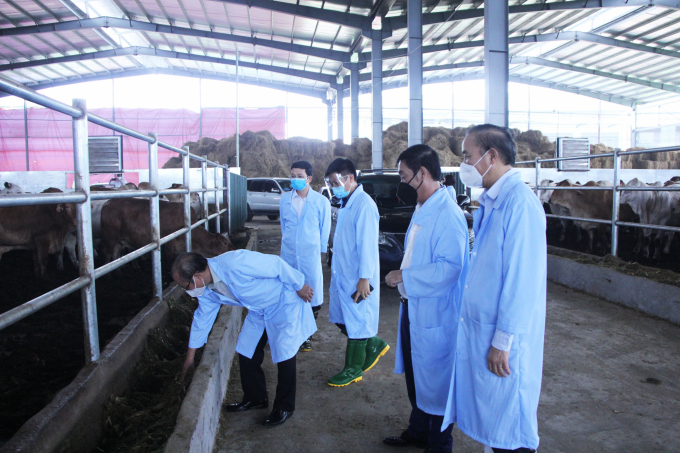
(363, 149)
(318, 153)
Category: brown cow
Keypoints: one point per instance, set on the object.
(40, 228)
(126, 223)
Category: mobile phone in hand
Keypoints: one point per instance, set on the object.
(360, 298)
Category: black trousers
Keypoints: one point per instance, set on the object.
(421, 424)
(253, 382)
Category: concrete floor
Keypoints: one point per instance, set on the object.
(611, 383)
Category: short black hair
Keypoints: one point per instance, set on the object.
(417, 156)
(499, 138)
(342, 166)
(188, 264)
(303, 165)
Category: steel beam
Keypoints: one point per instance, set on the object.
(414, 10)
(621, 100)
(149, 51)
(177, 72)
(584, 70)
(309, 12)
(376, 93)
(114, 22)
(340, 110)
(354, 103)
(496, 68)
(329, 119)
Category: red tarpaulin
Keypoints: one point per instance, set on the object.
(50, 143)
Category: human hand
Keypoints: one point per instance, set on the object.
(363, 290)
(497, 361)
(306, 293)
(394, 278)
(188, 367)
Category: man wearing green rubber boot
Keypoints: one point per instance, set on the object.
(355, 274)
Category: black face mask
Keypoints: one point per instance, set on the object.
(407, 194)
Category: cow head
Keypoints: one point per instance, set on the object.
(68, 212)
(628, 196)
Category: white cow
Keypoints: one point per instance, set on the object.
(11, 189)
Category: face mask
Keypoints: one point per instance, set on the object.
(407, 193)
(298, 183)
(196, 292)
(340, 191)
(469, 174)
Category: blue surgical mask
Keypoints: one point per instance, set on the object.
(298, 183)
(340, 192)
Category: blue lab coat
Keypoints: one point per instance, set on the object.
(505, 289)
(266, 286)
(434, 285)
(306, 237)
(355, 256)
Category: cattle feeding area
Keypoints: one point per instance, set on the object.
(42, 353)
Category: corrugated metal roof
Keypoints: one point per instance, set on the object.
(627, 52)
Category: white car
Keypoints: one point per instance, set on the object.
(264, 196)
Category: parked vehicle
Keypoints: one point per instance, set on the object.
(395, 215)
(264, 196)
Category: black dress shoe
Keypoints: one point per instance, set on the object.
(405, 439)
(277, 417)
(246, 405)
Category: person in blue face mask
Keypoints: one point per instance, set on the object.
(354, 294)
(277, 300)
(305, 226)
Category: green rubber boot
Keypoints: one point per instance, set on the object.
(355, 354)
(375, 348)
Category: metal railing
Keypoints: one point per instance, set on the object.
(616, 190)
(81, 196)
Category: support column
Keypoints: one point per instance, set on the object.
(113, 103)
(26, 134)
(340, 107)
(155, 215)
(414, 18)
(354, 97)
(453, 107)
(599, 122)
(329, 118)
(376, 92)
(238, 136)
(496, 67)
(200, 108)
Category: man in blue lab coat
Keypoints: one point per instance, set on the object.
(305, 226)
(275, 295)
(430, 283)
(499, 357)
(354, 294)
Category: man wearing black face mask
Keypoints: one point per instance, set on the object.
(430, 283)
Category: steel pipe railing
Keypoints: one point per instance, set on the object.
(88, 274)
(616, 190)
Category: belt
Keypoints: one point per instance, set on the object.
(403, 301)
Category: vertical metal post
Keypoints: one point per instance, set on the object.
(376, 92)
(633, 136)
(113, 103)
(615, 203)
(186, 182)
(217, 201)
(204, 179)
(81, 169)
(414, 18)
(286, 119)
(200, 108)
(238, 135)
(453, 108)
(538, 177)
(340, 107)
(599, 122)
(354, 100)
(496, 67)
(155, 218)
(329, 117)
(26, 135)
(529, 107)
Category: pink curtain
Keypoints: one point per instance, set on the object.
(50, 140)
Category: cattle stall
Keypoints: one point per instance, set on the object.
(82, 196)
(615, 222)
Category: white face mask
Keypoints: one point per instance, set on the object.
(469, 174)
(196, 292)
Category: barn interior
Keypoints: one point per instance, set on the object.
(67, 300)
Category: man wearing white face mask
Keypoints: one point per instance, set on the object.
(275, 295)
(305, 227)
(499, 354)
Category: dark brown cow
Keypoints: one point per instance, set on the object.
(40, 228)
(125, 223)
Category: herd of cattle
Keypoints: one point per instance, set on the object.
(117, 225)
(646, 207)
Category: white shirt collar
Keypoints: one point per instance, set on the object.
(496, 188)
